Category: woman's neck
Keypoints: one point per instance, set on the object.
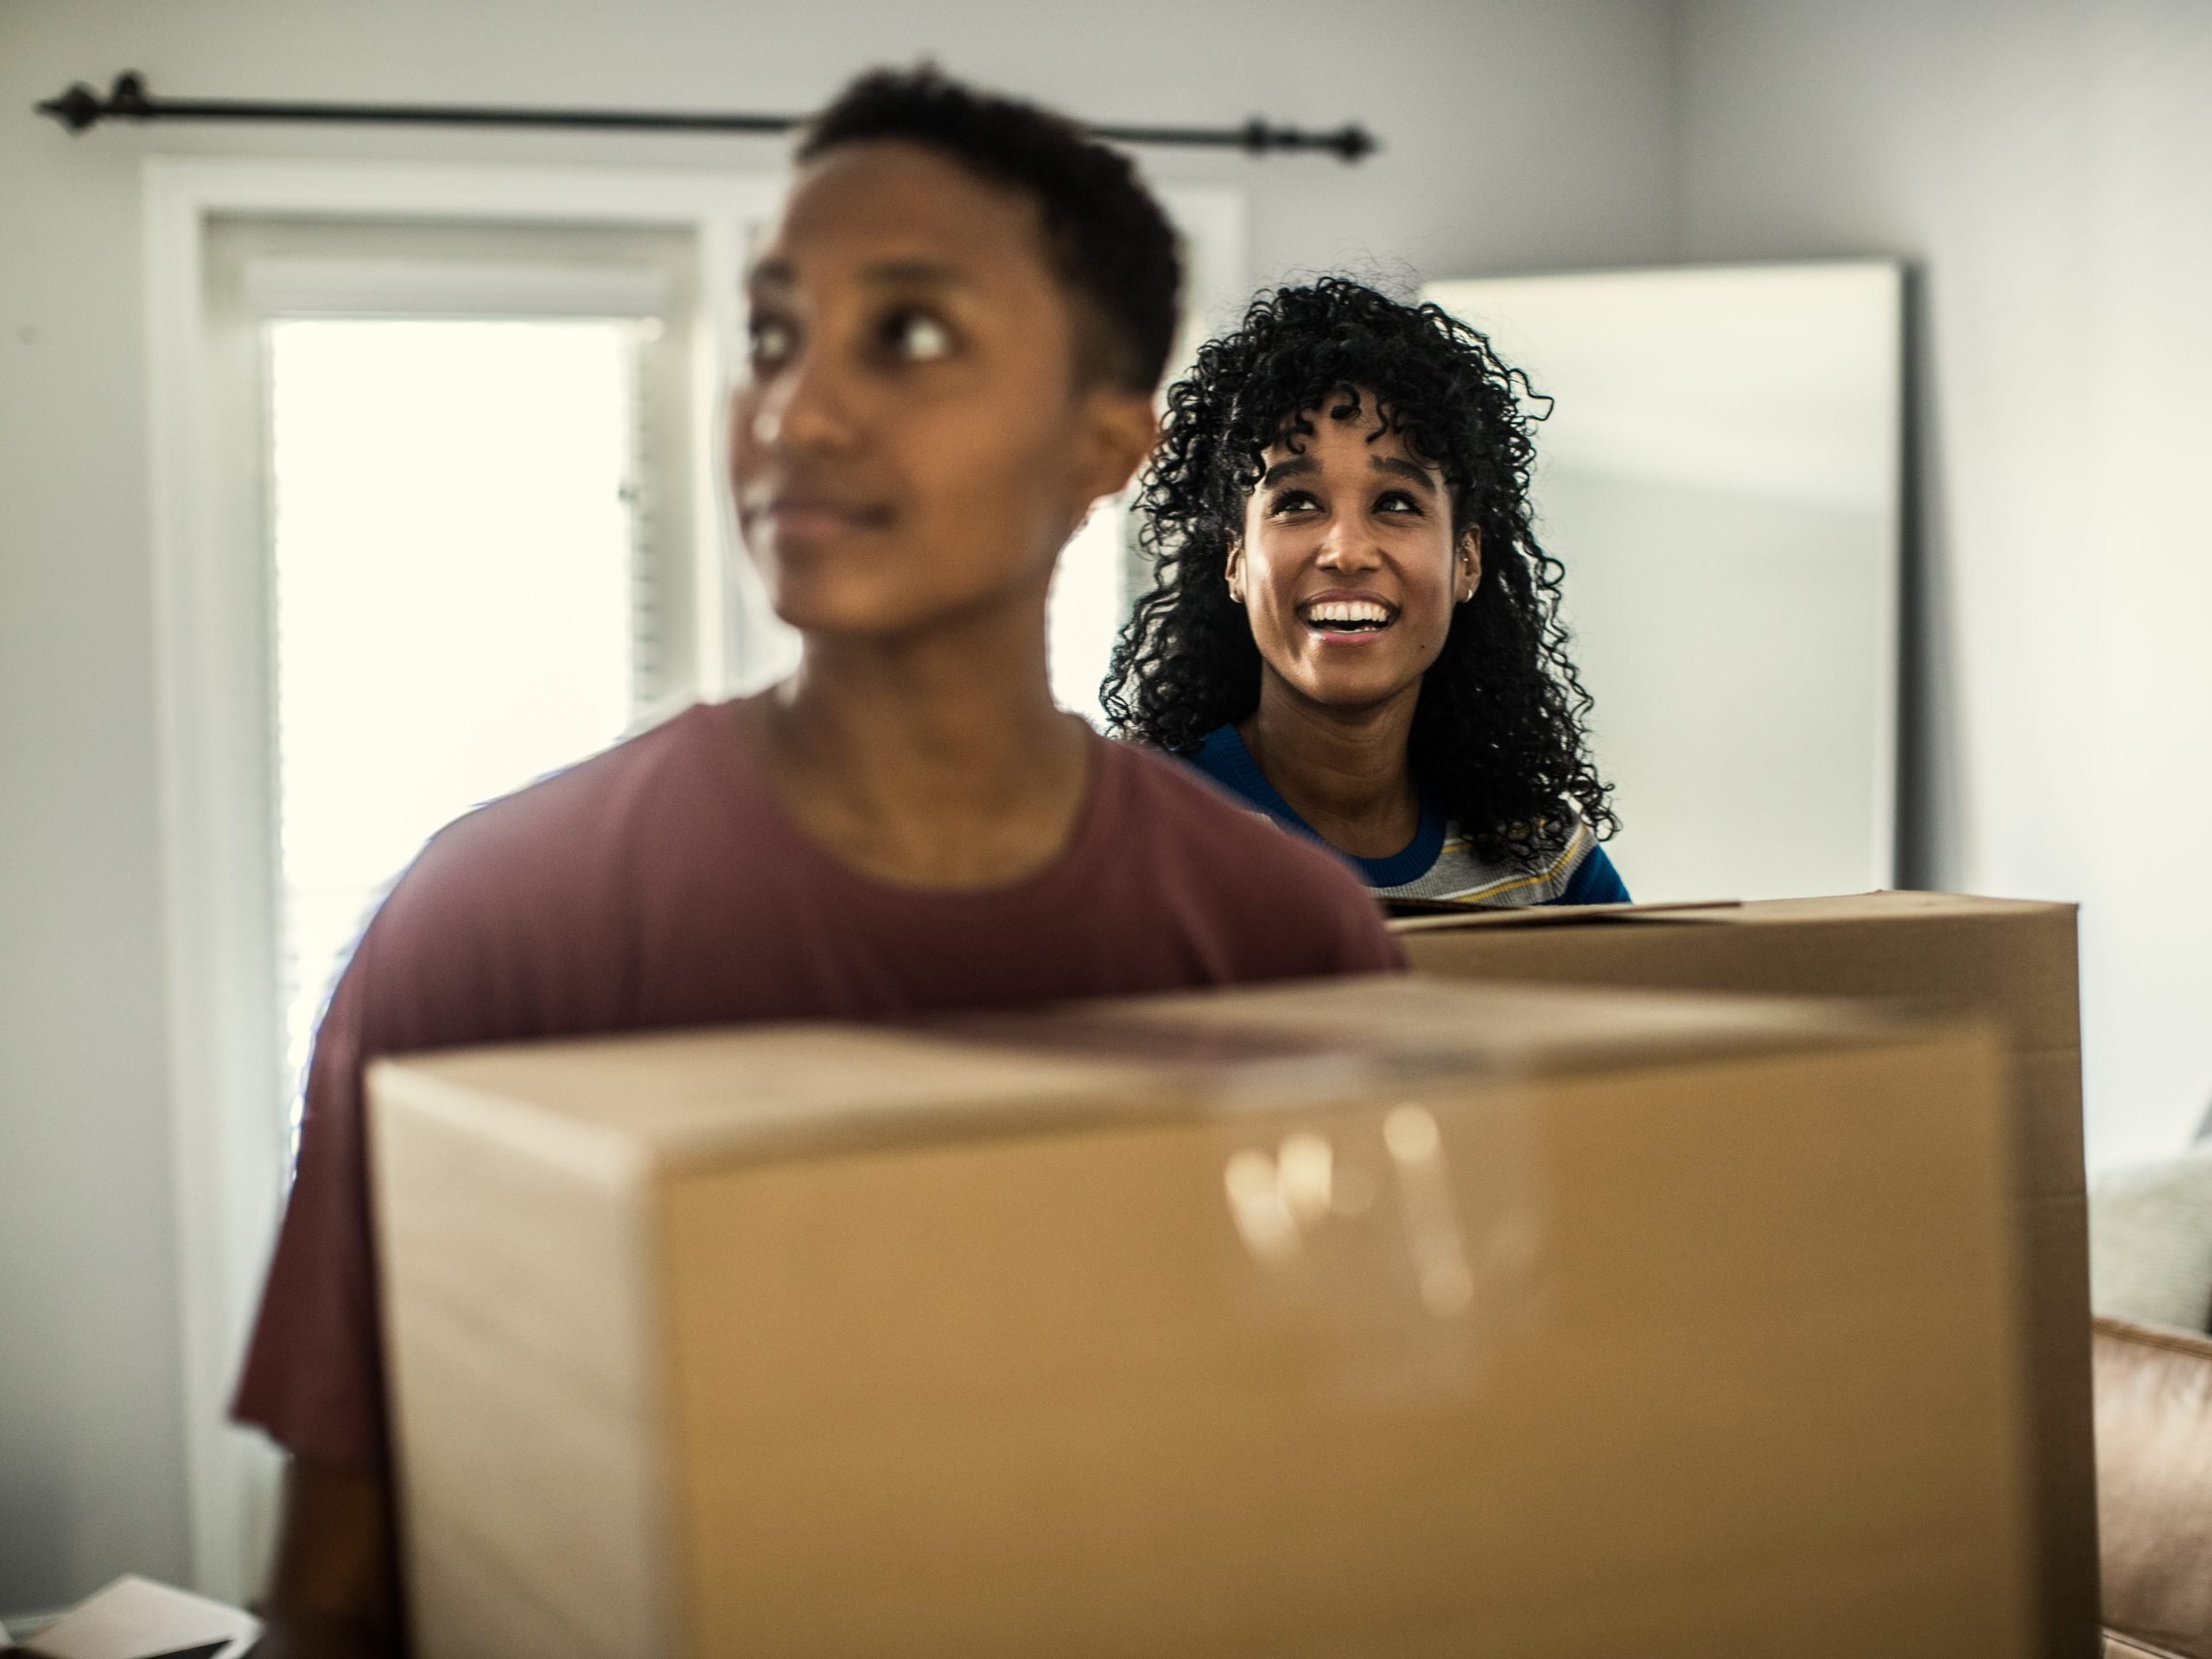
(1343, 770)
(934, 761)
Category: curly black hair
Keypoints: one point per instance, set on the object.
(1497, 735)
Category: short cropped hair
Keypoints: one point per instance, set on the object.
(1106, 238)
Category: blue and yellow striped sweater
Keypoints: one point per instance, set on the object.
(1439, 864)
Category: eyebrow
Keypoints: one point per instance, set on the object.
(1305, 467)
(925, 271)
(1398, 468)
(777, 272)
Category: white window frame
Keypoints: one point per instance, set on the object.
(228, 1123)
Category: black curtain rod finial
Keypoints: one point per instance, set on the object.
(1351, 143)
(80, 108)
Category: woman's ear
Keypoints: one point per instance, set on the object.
(1467, 571)
(1234, 571)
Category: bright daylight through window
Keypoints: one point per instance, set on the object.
(1086, 609)
(461, 602)
(458, 606)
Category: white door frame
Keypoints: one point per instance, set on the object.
(227, 1119)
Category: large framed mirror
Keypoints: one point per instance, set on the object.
(1719, 475)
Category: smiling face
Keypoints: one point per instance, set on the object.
(912, 441)
(1348, 565)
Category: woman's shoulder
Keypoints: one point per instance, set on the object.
(1575, 871)
(1595, 881)
(1221, 755)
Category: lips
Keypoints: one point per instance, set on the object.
(1347, 615)
(808, 517)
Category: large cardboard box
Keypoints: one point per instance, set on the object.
(1384, 1317)
(2011, 961)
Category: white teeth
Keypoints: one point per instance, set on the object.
(1348, 610)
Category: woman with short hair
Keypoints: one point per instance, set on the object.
(1353, 628)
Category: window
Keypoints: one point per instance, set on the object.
(459, 599)
(420, 433)
(1089, 597)
(462, 594)
(476, 552)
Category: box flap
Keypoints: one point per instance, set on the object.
(674, 1098)
(1457, 916)
(1847, 907)
(1423, 1021)
(136, 1618)
(619, 1108)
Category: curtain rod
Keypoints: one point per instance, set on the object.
(81, 108)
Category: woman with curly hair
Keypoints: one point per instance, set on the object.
(1352, 626)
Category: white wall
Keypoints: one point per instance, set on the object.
(1519, 133)
(2050, 164)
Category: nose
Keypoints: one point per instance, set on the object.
(802, 408)
(1347, 547)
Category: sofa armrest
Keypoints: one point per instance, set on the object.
(2121, 1647)
(2154, 1486)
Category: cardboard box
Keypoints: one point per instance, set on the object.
(1380, 1316)
(136, 1618)
(2010, 960)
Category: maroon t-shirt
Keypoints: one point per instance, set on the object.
(660, 885)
